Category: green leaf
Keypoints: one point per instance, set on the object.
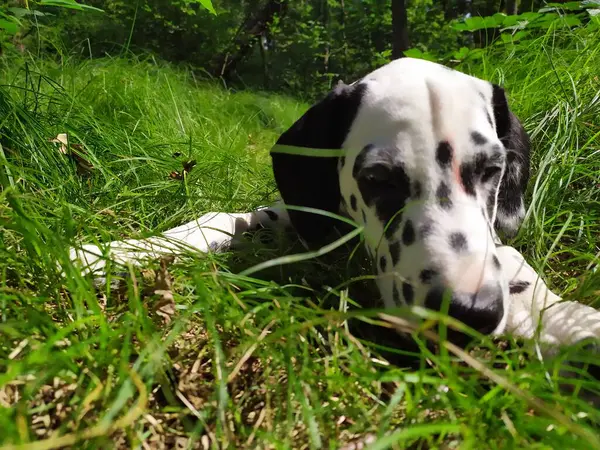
(480, 23)
(416, 53)
(22, 12)
(70, 4)
(459, 26)
(10, 26)
(520, 35)
(568, 6)
(570, 21)
(207, 4)
(413, 53)
(461, 54)
(476, 53)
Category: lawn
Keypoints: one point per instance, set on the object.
(193, 355)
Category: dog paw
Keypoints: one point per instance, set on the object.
(96, 262)
(91, 261)
(116, 257)
(89, 258)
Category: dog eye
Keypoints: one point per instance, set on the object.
(377, 175)
(490, 172)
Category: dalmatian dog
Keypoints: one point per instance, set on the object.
(433, 165)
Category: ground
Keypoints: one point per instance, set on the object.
(192, 354)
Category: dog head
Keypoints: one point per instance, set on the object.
(434, 163)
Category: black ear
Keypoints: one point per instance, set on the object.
(311, 181)
(511, 202)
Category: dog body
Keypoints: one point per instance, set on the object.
(432, 163)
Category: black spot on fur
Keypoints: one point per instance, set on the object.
(353, 202)
(516, 287)
(396, 295)
(489, 118)
(408, 292)
(416, 190)
(408, 234)
(458, 241)
(471, 171)
(272, 215)
(478, 138)
(382, 180)
(342, 161)
(427, 275)
(496, 262)
(393, 226)
(382, 263)
(425, 230)
(361, 160)
(443, 154)
(395, 252)
(443, 196)
(467, 177)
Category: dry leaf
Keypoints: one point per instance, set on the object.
(187, 168)
(84, 167)
(189, 165)
(63, 140)
(108, 212)
(165, 306)
(360, 442)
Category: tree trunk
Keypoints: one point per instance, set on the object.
(490, 9)
(526, 6)
(325, 21)
(400, 41)
(447, 8)
(262, 42)
(255, 25)
(344, 40)
(511, 7)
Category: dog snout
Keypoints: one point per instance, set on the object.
(482, 310)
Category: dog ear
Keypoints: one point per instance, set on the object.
(313, 181)
(511, 202)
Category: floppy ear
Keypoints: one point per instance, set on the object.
(511, 202)
(312, 181)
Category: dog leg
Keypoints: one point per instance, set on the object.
(534, 308)
(212, 232)
(539, 314)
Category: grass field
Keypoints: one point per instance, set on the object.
(262, 361)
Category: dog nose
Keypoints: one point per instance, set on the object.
(483, 310)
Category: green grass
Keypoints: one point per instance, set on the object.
(267, 360)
